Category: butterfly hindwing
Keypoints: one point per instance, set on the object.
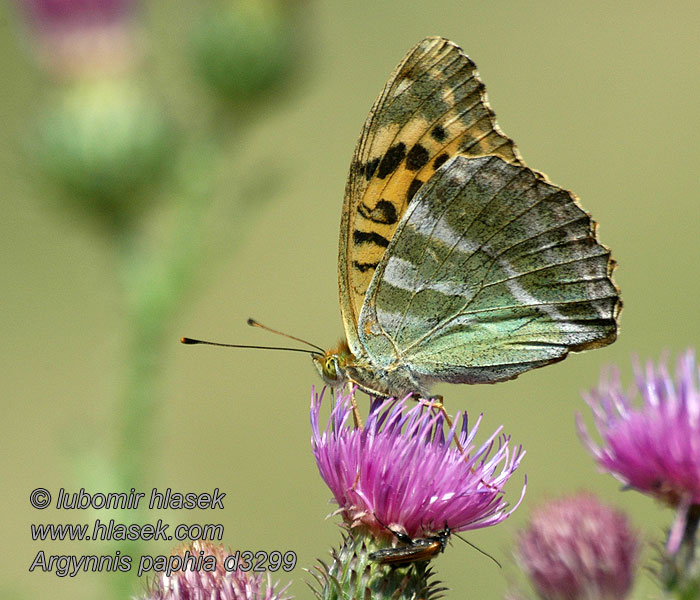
(491, 272)
(432, 108)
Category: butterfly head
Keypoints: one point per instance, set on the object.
(333, 363)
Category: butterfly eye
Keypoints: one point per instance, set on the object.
(330, 368)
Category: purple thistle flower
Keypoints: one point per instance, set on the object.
(219, 584)
(578, 548)
(654, 448)
(402, 468)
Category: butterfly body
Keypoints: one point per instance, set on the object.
(457, 262)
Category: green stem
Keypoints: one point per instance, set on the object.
(155, 279)
(681, 572)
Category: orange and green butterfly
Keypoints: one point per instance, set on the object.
(457, 262)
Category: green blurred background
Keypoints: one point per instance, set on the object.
(603, 97)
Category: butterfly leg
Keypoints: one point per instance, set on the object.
(356, 417)
(436, 402)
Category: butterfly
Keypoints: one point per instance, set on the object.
(457, 262)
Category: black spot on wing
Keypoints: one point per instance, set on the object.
(384, 212)
(438, 133)
(369, 237)
(392, 159)
(417, 157)
(364, 266)
(413, 188)
(370, 168)
(440, 160)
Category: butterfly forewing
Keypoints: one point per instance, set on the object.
(432, 108)
(491, 272)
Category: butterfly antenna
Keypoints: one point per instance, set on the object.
(466, 541)
(254, 323)
(189, 341)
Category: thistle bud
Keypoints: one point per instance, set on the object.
(102, 141)
(242, 49)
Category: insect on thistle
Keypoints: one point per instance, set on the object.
(418, 550)
(414, 550)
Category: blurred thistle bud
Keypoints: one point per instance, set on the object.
(103, 141)
(242, 49)
(577, 548)
(79, 37)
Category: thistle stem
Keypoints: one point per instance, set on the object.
(681, 571)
